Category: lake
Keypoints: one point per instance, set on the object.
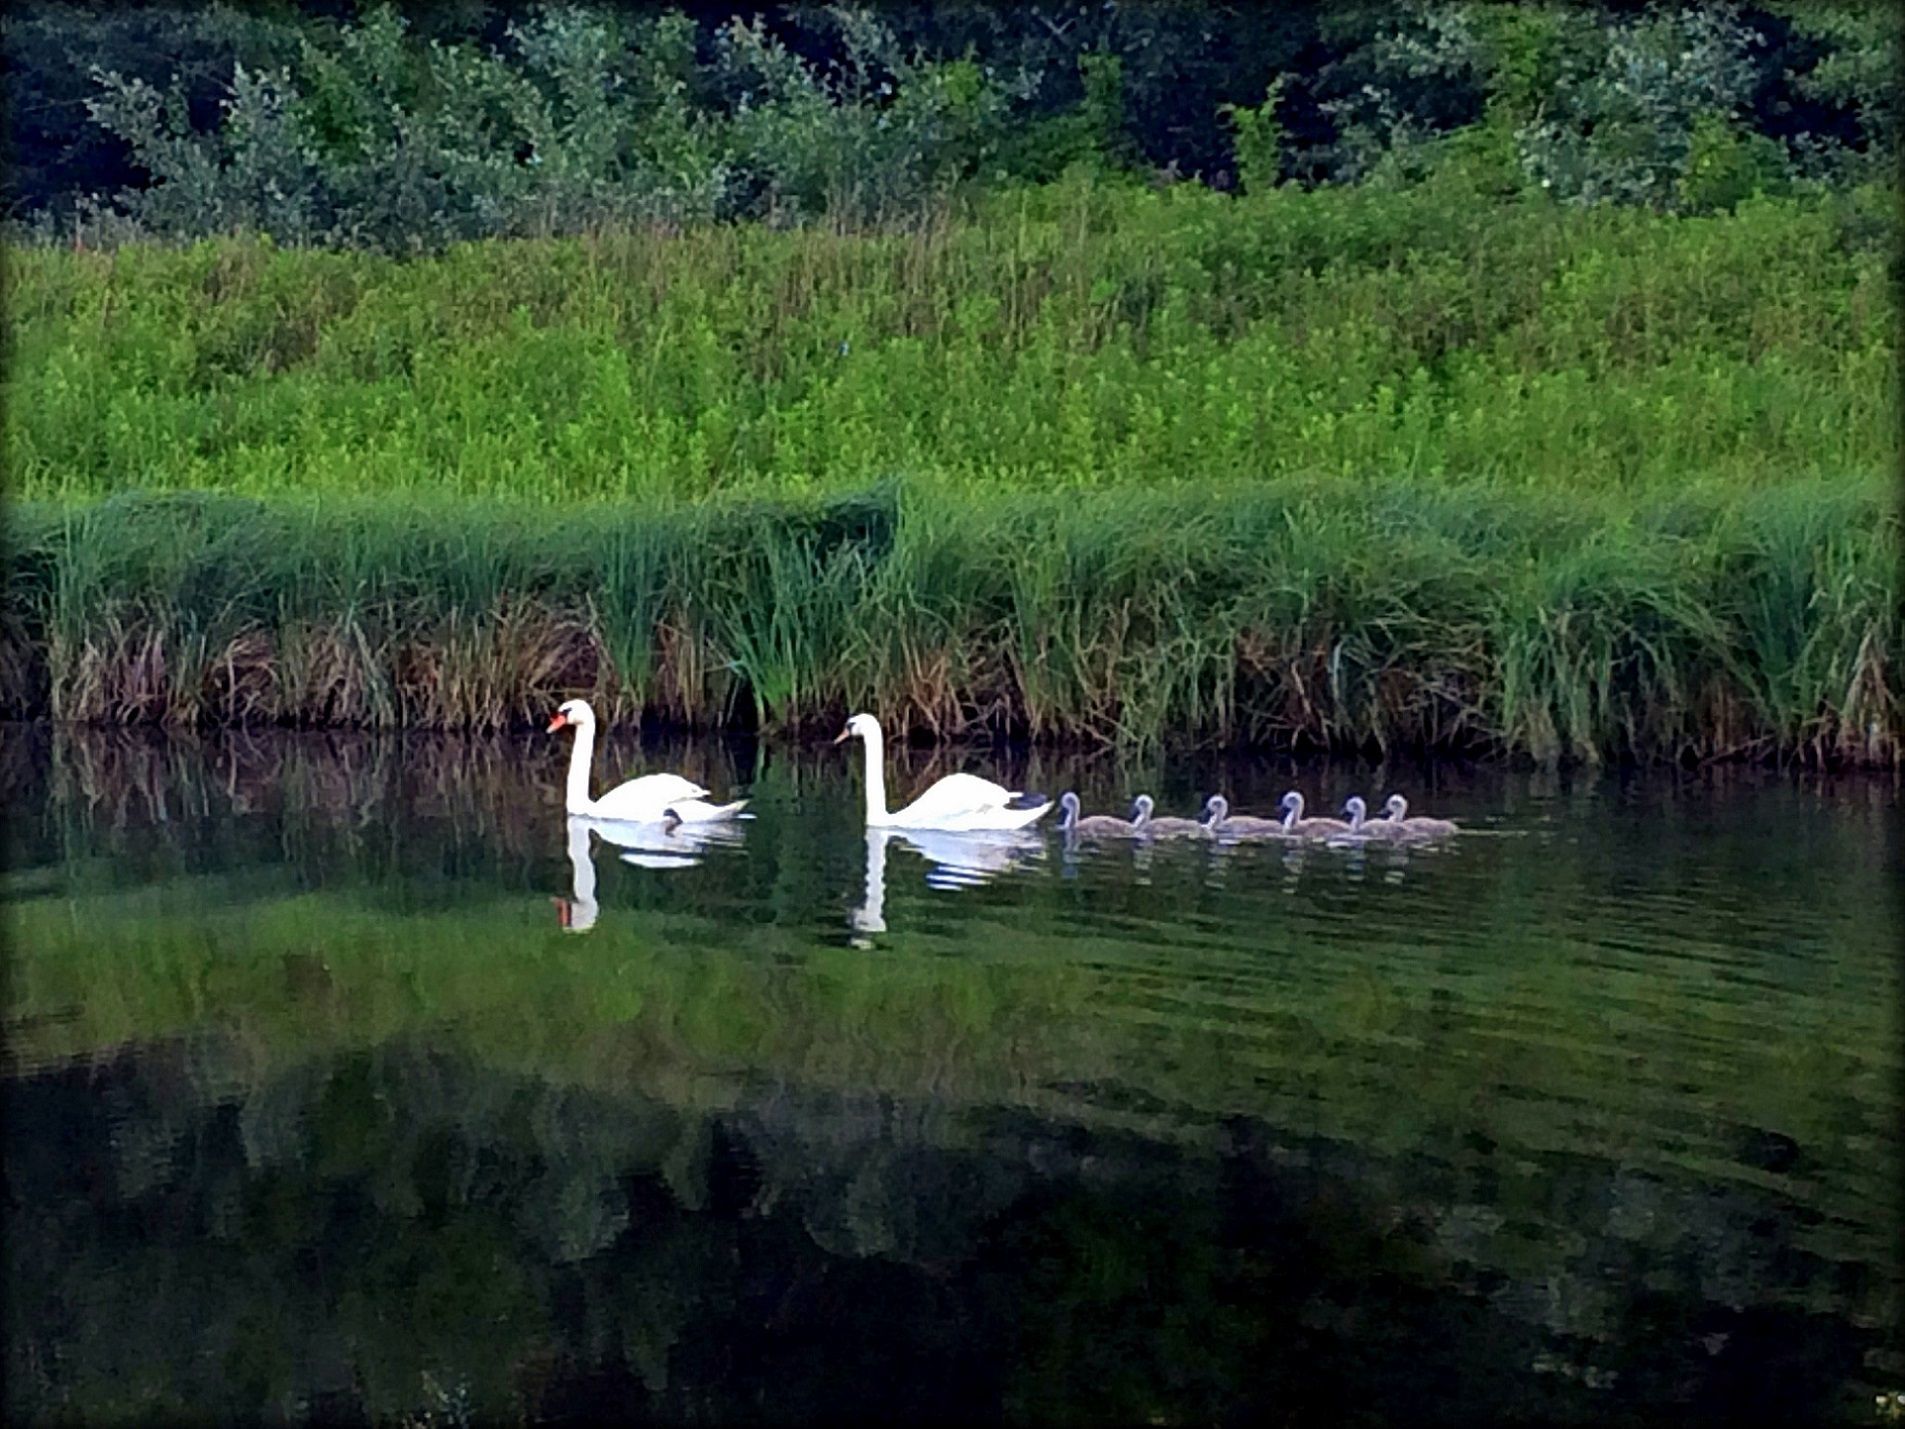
(346, 1079)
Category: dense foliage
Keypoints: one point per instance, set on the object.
(347, 124)
(1353, 468)
(1087, 334)
(1529, 387)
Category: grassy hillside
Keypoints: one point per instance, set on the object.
(1077, 336)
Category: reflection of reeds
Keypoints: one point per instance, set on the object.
(504, 789)
(1312, 615)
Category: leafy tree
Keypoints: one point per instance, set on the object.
(322, 122)
(56, 152)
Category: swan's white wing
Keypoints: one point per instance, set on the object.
(1026, 811)
(700, 811)
(646, 800)
(954, 802)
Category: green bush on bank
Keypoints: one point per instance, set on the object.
(1080, 335)
(1353, 467)
(408, 131)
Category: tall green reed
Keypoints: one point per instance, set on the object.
(1321, 613)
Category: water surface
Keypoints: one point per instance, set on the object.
(346, 1078)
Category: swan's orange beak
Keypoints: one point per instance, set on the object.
(841, 738)
(563, 918)
(557, 721)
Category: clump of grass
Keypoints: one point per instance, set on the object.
(1320, 613)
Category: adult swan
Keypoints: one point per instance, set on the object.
(647, 800)
(959, 803)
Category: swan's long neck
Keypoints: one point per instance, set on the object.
(1355, 817)
(1293, 815)
(1398, 808)
(577, 799)
(876, 776)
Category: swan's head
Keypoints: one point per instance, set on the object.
(1397, 808)
(864, 725)
(1141, 808)
(1067, 809)
(572, 712)
(1291, 803)
(1356, 809)
(1216, 809)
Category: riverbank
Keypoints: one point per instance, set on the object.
(1350, 468)
(1709, 623)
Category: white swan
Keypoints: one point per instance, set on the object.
(647, 800)
(959, 803)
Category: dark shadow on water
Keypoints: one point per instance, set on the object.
(361, 1233)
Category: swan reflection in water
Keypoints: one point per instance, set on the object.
(665, 845)
(668, 845)
(954, 860)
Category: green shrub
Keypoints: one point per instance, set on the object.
(1085, 334)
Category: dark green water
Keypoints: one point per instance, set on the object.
(334, 1091)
